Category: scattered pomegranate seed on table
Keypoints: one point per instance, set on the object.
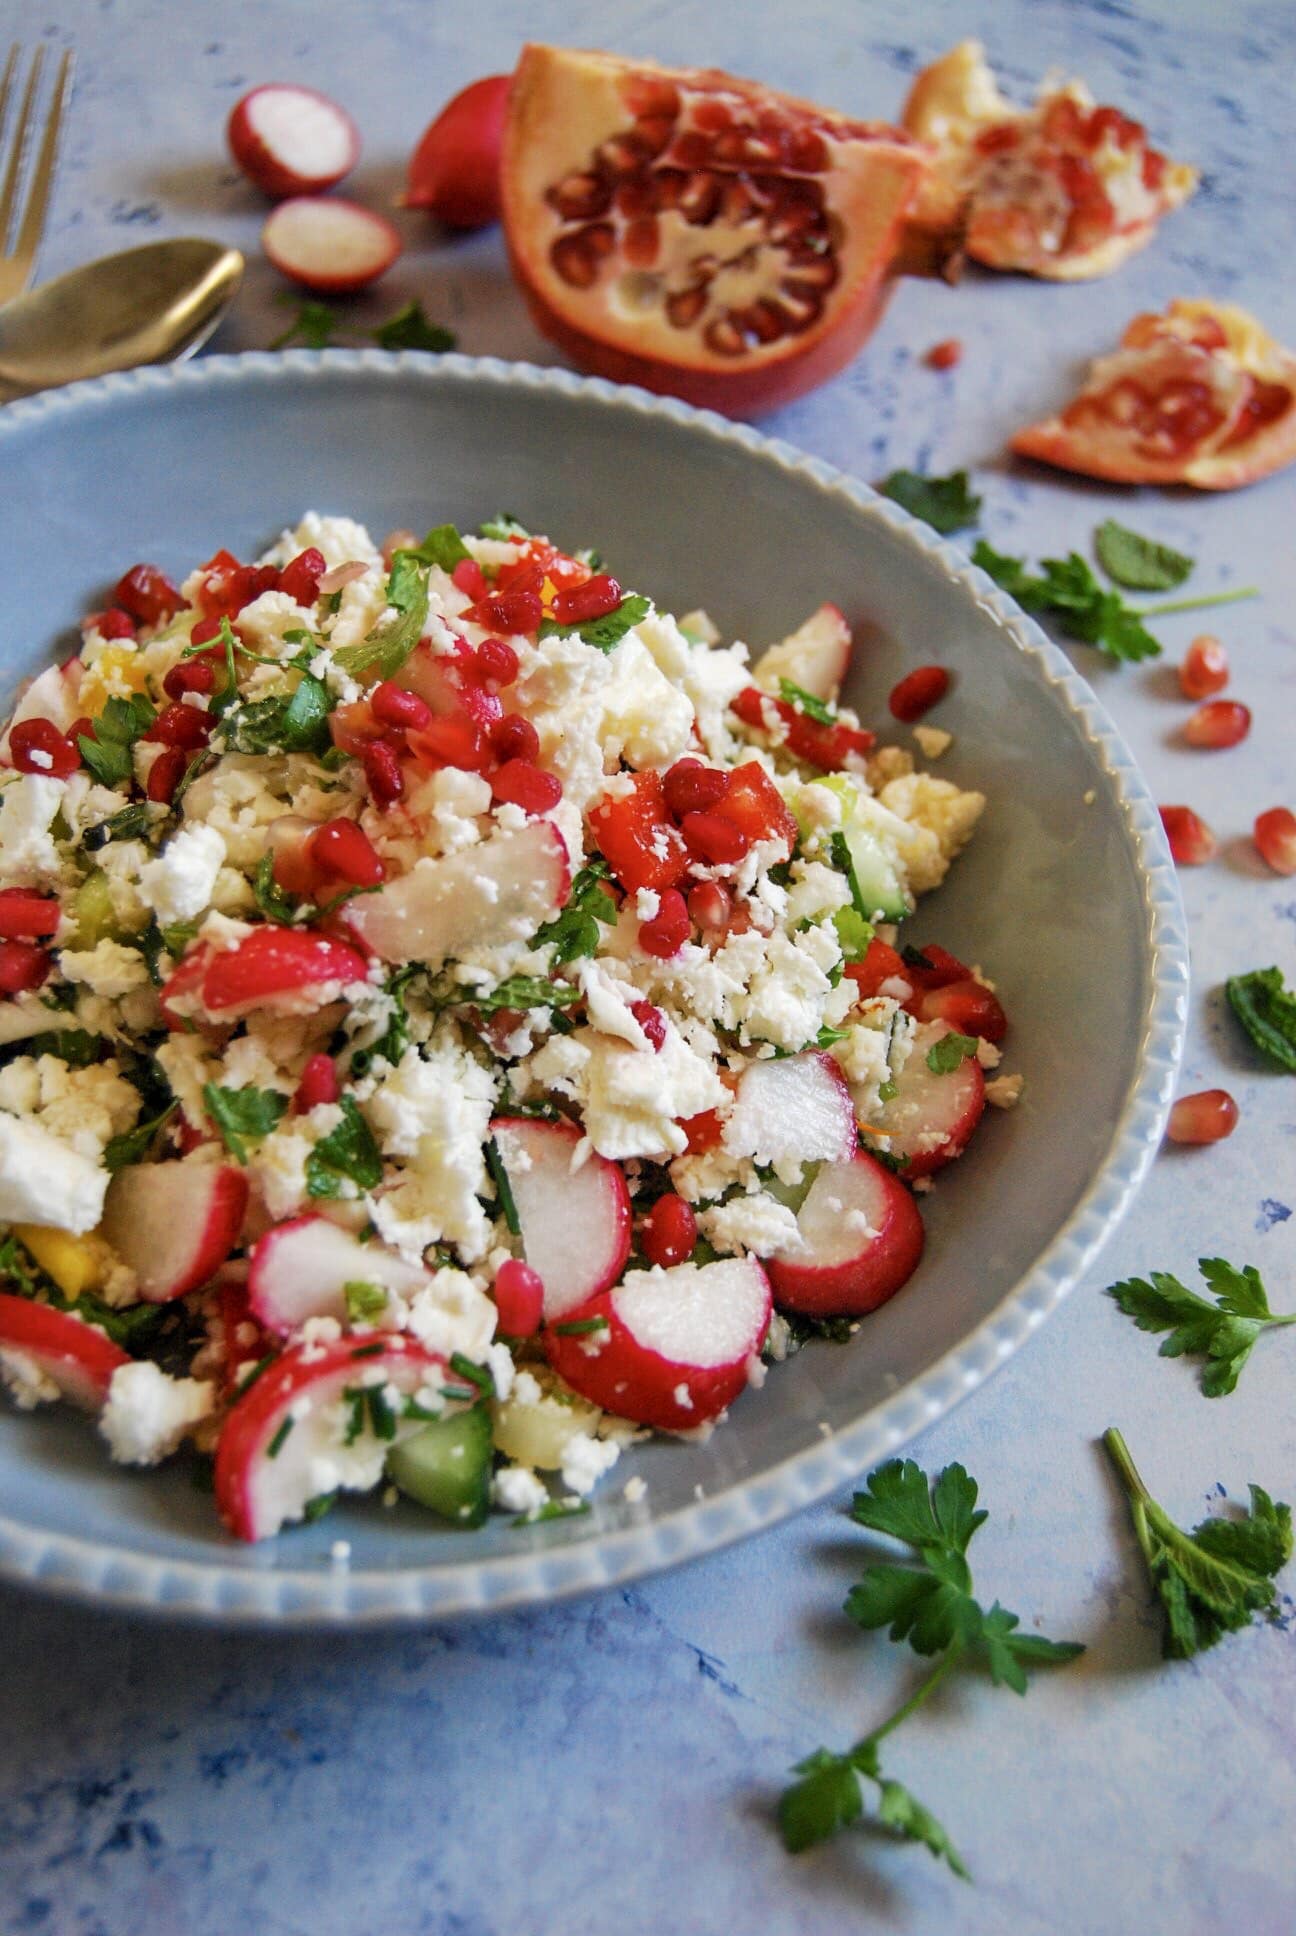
(1275, 838)
(1205, 668)
(1191, 840)
(1218, 724)
(1206, 1117)
(945, 355)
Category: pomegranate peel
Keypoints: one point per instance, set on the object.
(699, 235)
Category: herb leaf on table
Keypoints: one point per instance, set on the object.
(1266, 1009)
(1215, 1579)
(927, 1600)
(1137, 563)
(945, 503)
(1223, 1333)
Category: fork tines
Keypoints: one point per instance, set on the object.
(29, 217)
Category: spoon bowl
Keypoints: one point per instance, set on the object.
(153, 304)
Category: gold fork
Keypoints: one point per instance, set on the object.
(16, 267)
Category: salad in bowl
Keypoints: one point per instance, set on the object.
(454, 1020)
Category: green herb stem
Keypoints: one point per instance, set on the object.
(921, 1694)
(1197, 604)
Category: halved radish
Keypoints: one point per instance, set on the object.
(51, 695)
(814, 657)
(273, 967)
(930, 1117)
(499, 891)
(300, 1270)
(575, 1222)
(76, 1356)
(793, 1108)
(674, 1346)
(861, 1236)
(292, 140)
(305, 1428)
(330, 246)
(174, 1224)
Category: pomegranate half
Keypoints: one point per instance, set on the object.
(700, 235)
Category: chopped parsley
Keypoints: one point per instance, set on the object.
(575, 932)
(364, 1302)
(107, 750)
(442, 546)
(947, 1055)
(945, 503)
(127, 824)
(602, 632)
(410, 329)
(347, 1154)
(384, 651)
(135, 1144)
(312, 327)
(243, 1115)
(289, 723)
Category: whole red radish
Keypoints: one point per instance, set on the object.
(455, 171)
(292, 140)
(330, 246)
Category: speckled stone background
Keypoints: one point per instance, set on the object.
(611, 1765)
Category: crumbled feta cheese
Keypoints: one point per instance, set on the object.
(585, 1460)
(758, 1223)
(109, 968)
(28, 804)
(147, 1413)
(451, 1315)
(933, 740)
(24, 1380)
(515, 1489)
(634, 1491)
(1005, 1091)
(178, 884)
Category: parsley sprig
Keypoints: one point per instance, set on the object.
(315, 326)
(1215, 1579)
(1223, 1333)
(575, 932)
(945, 503)
(927, 1601)
(1266, 1009)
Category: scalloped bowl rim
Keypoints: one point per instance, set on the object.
(98, 1572)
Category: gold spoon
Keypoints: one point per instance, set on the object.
(148, 305)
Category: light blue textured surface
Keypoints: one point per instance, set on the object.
(611, 1764)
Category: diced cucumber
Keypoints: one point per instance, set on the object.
(447, 1466)
(881, 888)
(92, 910)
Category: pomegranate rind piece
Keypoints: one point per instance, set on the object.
(672, 1347)
(1244, 374)
(839, 1272)
(815, 205)
(1015, 223)
(76, 1356)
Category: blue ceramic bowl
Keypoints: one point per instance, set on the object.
(1067, 895)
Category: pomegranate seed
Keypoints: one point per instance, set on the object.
(579, 604)
(652, 1022)
(1205, 668)
(511, 611)
(519, 1298)
(181, 725)
(1275, 836)
(147, 594)
(22, 966)
(190, 675)
(470, 578)
(382, 770)
(527, 786)
(165, 775)
(665, 934)
(451, 741)
(690, 787)
(713, 838)
(1219, 723)
(515, 738)
(397, 706)
(319, 1084)
(710, 905)
(25, 916)
(344, 849)
(206, 630)
(114, 624)
(1191, 840)
(497, 660)
(918, 691)
(669, 1232)
(37, 746)
(1207, 1117)
(300, 577)
(944, 356)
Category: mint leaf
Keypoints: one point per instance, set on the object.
(107, 751)
(1139, 564)
(128, 823)
(442, 546)
(1267, 1011)
(945, 503)
(293, 723)
(410, 329)
(134, 1145)
(575, 931)
(602, 632)
(347, 1153)
(385, 650)
(243, 1115)
(525, 991)
(949, 1053)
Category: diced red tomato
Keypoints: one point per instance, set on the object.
(965, 1005)
(754, 803)
(26, 915)
(881, 963)
(827, 747)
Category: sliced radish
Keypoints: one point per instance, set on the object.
(292, 141)
(285, 1441)
(174, 1224)
(861, 1236)
(284, 968)
(330, 246)
(575, 1222)
(930, 1118)
(814, 657)
(499, 891)
(74, 1355)
(245, 1341)
(300, 1270)
(674, 1346)
(790, 1109)
(51, 695)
